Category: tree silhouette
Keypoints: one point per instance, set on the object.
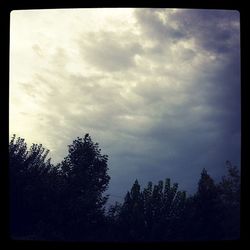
(202, 213)
(229, 191)
(212, 213)
(66, 201)
(29, 195)
(62, 202)
(151, 214)
(132, 215)
(112, 230)
(85, 179)
(163, 208)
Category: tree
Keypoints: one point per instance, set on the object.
(29, 193)
(132, 215)
(229, 191)
(112, 228)
(85, 173)
(152, 215)
(164, 205)
(230, 185)
(66, 201)
(204, 211)
(57, 202)
(148, 208)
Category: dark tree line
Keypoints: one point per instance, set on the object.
(65, 202)
(62, 202)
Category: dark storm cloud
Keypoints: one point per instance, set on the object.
(214, 30)
(162, 102)
(203, 128)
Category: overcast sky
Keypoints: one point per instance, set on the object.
(158, 89)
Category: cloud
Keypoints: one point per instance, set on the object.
(159, 90)
(215, 30)
(108, 50)
(155, 24)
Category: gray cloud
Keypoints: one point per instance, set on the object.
(108, 51)
(162, 102)
(156, 28)
(214, 30)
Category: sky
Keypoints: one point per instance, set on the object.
(158, 89)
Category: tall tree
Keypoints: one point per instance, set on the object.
(132, 215)
(151, 214)
(166, 204)
(85, 173)
(204, 211)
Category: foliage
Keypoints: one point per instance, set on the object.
(229, 191)
(29, 192)
(85, 174)
(66, 201)
(57, 202)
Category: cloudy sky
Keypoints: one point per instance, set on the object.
(158, 89)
